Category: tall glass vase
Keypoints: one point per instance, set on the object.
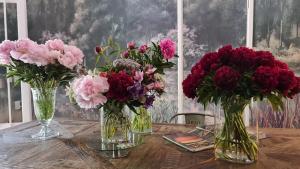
(141, 121)
(115, 131)
(44, 108)
(233, 143)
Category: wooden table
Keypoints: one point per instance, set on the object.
(280, 151)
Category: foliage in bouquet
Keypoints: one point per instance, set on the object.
(134, 79)
(235, 76)
(41, 65)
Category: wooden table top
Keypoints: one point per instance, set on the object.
(280, 151)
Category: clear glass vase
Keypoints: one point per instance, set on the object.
(115, 132)
(44, 108)
(141, 121)
(233, 142)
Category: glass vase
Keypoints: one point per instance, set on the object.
(115, 131)
(44, 108)
(233, 142)
(141, 121)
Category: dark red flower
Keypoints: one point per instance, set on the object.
(281, 65)
(264, 58)
(98, 49)
(243, 58)
(225, 54)
(208, 59)
(118, 85)
(296, 89)
(265, 78)
(286, 80)
(226, 78)
(190, 85)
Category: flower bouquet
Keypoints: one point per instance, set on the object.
(234, 77)
(44, 67)
(129, 83)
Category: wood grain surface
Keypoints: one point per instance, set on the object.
(280, 151)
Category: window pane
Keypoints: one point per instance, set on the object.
(12, 34)
(276, 29)
(87, 23)
(209, 25)
(3, 84)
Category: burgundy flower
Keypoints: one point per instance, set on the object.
(296, 89)
(244, 59)
(119, 83)
(286, 81)
(226, 78)
(143, 49)
(98, 49)
(265, 78)
(125, 54)
(264, 58)
(190, 85)
(225, 54)
(281, 65)
(208, 60)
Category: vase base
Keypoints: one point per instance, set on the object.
(147, 131)
(45, 133)
(233, 157)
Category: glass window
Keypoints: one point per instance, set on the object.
(87, 23)
(276, 29)
(209, 25)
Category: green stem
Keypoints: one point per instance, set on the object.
(142, 121)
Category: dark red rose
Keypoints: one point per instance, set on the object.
(281, 65)
(244, 59)
(265, 78)
(226, 78)
(118, 85)
(286, 81)
(264, 58)
(225, 54)
(208, 59)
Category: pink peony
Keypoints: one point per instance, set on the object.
(72, 57)
(30, 52)
(168, 48)
(5, 48)
(149, 69)
(143, 49)
(125, 54)
(55, 44)
(139, 76)
(156, 86)
(89, 91)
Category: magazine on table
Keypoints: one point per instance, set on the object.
(201, 138)
(196, 140)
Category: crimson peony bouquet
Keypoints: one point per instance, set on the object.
(233, 77)
(51, 64)
(134, 79)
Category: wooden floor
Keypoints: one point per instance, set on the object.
(280, 151)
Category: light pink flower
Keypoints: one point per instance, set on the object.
(89, 91)
(149, 69)
(55, 44)
(72, 57)
(131, 45)
(5, 48)
(139, 76)
(156, 86)
(30, 52)
(168, 48)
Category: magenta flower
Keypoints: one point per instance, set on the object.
(168, 48)
(89, 91)
(143, 49)
(125, 54)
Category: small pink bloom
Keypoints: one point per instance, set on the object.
(149, 69)
(89, 91)
(125, 54)
(143, 48)
(168, 48)
(139, 76)
(131, 45)
(72, 56)
(55, 44)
